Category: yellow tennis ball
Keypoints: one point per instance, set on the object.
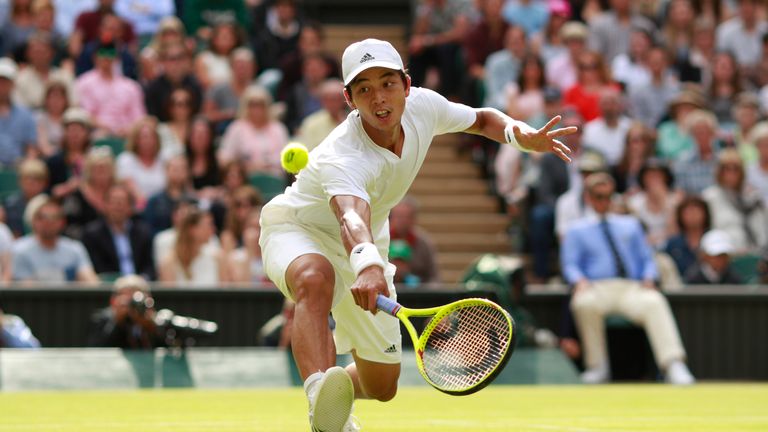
(294, 157)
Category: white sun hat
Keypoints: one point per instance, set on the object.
(716, 242)
(366, 54)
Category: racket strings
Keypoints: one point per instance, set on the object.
(465, 347)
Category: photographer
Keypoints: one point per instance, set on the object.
(129, 321)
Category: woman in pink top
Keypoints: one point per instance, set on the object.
(255, 137)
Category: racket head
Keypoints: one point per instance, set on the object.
(465, 346)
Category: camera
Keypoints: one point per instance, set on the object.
(140, 302)
(176, 330)
(182, 331)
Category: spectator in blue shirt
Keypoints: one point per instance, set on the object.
(531, 15)
(609, 262)
(46, 255)
(18, 131)
(144, 15)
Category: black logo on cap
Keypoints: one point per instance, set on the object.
(366, 57)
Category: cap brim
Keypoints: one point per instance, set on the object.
(719, 250)
(370, 64)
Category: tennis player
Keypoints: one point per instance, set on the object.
(325, 240)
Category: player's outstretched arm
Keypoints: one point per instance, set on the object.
(354, 216)
(493, 124)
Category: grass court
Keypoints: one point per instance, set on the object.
(649, 407)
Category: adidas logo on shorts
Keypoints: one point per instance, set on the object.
(367, 57)
(391, 349)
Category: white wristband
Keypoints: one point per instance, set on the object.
(364, 255)
(509, 135)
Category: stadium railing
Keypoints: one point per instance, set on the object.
(723, 328)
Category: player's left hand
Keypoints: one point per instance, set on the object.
(545, 139)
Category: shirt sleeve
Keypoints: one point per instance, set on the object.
(448, 116)
(6, 238)
(22, 268)
(642, 247)
(30, 130)
(137, 103)
(569, 256)
(82, 258)
(122, 166)
(345, 176)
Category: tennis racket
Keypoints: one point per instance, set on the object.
(464, 345)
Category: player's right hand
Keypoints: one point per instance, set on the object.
(368, 285)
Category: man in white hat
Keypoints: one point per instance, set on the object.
(714, 264)
(325, 240)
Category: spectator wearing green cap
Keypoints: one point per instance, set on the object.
(401, 254)
(402, 226)
(114, 102)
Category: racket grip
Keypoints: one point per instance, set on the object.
(387, 305)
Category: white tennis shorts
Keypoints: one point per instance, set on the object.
(374, 338)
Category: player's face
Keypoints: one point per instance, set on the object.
(379, 96)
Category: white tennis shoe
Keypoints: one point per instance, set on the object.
(352, 425)
(330, 401)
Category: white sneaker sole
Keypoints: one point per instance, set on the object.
(333, 402)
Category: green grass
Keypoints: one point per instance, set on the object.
(712, 407)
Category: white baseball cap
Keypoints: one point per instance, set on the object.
(716, 242)
(8, 68)
(367, 54)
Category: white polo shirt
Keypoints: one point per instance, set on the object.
(348, 162)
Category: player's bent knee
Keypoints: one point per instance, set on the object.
(382, 391)
(313, 285)
(377, 380)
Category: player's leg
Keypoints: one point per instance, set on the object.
(310, 279)
(374, 380)
(298, 265)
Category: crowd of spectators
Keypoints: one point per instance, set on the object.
(669, 96)
(133, 127)
(670, 99)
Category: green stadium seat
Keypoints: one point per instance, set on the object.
(109, 277)
(269, 185)
(9, 182)
(746, 267)
(116, 144)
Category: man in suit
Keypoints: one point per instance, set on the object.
(609, 263)
(117, 244)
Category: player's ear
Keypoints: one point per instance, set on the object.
(407, 85)
(348, 98)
